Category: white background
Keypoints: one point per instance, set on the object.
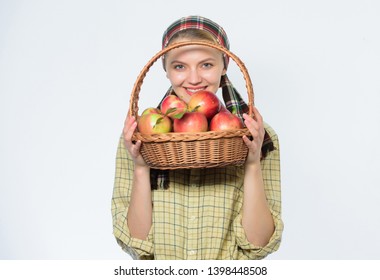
(66, 72)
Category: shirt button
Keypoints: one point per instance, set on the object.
(193, 185)
(192, 252)
(192, 218)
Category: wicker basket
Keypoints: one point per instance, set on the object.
(192, 150)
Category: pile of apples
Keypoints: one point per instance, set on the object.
(204, 112)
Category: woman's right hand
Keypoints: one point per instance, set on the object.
(133, 148)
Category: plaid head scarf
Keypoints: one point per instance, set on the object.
(231, 97)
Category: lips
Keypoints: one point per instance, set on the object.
(191, 91)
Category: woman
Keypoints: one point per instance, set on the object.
(232, 212)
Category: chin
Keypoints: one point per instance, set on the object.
(184, 96)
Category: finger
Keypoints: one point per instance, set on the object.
(129, 131)
(248, 120)
(260, 121)
(250, 123)
(135, 149)
(129, 122)
(250, 144)
(138, 145)
(246, 140)
(257, 116)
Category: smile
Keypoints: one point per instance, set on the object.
(191, 91)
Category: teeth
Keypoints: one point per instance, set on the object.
(194, 90)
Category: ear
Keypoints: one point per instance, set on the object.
(224, 71)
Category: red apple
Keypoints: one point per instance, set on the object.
(151, 123)
(173, 106)
(191, 122)
(151, 110)
(225, 120)
(205, 102)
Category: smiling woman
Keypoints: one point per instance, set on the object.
(230, 212)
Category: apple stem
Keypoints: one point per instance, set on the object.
(196, 108)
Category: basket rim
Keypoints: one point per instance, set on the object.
(190, 136)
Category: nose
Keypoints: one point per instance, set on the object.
(194, 77)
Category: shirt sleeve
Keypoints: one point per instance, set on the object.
(136, 248)
(272, 184)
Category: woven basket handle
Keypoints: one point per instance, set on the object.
(133, 103)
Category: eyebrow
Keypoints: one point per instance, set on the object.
(202, 61)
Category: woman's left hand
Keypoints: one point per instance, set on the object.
(255, 126)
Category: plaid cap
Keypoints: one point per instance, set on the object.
(196, 22)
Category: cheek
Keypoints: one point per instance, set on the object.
(175, 78)
(213, 78)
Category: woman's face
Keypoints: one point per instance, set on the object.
(194, 68)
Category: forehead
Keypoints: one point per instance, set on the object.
(193, 52)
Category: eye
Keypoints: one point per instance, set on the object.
(207, 65)
(178, 67)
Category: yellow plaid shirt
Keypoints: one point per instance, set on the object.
(199, 216)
